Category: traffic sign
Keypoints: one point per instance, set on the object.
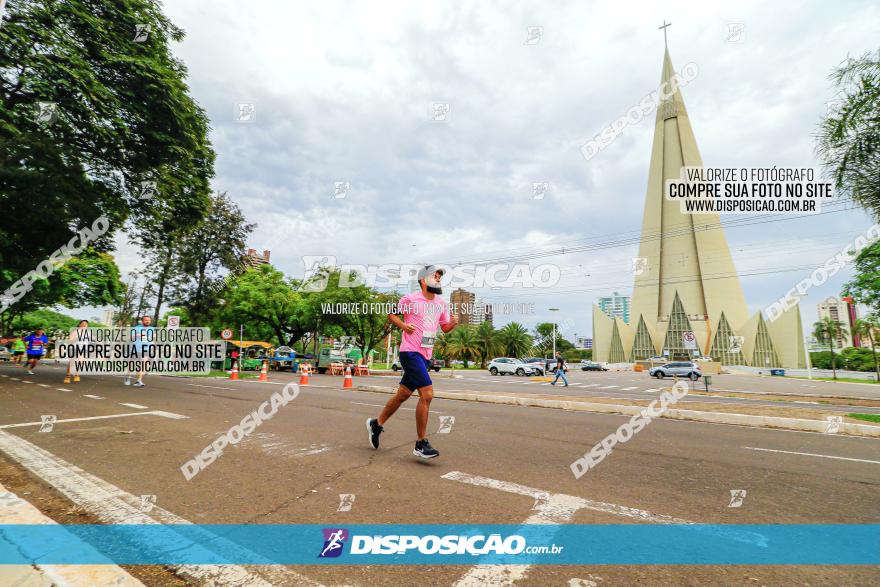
(226, 334)
(173, 321)
(690, 339)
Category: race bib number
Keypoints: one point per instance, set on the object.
(428, 339)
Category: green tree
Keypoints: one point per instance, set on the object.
(488, 343)
(86, 115)
(462, 344)
(827, 331)
(865, 284)
(849, 138)
(49, 320)
(515, 339)
(866, 329)
(266, 303)
(216, 242)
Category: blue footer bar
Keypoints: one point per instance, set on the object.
(432, 544)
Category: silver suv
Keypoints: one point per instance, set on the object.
(505, 365)
(681, 369)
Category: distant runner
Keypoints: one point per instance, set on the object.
(18, 349)
(75, 335)
(141, 345)
(36, 346)
(423, 312)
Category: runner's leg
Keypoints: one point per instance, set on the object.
(426, 394)
(403, 393)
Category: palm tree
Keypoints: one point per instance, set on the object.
(515, 340)
(488, 343)
(865, 328)
(441, 345)
(462, 344)
(828, 330)
(849, 136)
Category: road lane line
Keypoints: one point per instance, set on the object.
(809, 454)
(152, 413)
(92, 396)
(15, 510)
(210, 386)
(135, 406)
(43, 385)
(15, 379)
(557, 508)
(112, 505)
(25, 381)
(609, 386)
(62, 389)
(628, 388)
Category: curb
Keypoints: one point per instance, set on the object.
(799, 424)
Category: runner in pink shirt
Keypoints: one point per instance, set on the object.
(424, 315)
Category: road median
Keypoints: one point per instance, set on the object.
(804, 420)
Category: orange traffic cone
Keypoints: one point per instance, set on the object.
(264, 372)
(234, 374)
(347, 382)
(304, 375)
(67, 379)
(76, 378)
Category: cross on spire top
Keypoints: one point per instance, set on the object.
(664, 27)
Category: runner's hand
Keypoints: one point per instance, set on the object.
(409, 328)
(453, 319)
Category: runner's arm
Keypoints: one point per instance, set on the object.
(395, 319)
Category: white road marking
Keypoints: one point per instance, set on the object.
(809, 454)
(628, 388)
(62, 389)
(135, 406)
(152, 413)
(27, 381)
(609, 386)
(92, 396)
(401, 407)
(210, 386)
(16, 379)
(14, 510)
(43, 385)
(592, 385)
(114, 506)
(558, 508)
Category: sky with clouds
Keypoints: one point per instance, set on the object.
(344, 91)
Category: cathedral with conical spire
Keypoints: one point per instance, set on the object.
(687, 299)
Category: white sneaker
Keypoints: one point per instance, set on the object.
(139, 384)
(30, 372)
(126, 381)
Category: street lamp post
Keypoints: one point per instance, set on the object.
(554, 332)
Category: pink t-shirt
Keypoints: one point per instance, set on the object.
(427, 316)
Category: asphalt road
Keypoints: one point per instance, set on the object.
(757, 391)
(293, 468)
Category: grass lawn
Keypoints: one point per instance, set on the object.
(844, 379)
(866, 417)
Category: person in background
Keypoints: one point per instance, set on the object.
(560, 369)
(75, 335)
(18, 350)
(141, 344)
(36, 347)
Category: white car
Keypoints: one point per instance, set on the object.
(505, 365)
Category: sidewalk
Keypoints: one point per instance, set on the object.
(14, 510)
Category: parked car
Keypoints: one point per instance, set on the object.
(435, 364)
(329, 355)
(681, 369)
(5, 355)
(592, 366)
(538, 364)
(505, 365)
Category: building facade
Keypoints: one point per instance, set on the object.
(687, 299)
(844, 311)
(616, 306)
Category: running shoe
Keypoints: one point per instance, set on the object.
(30, 372)
(374, 430)
(425, 450)
(126, 381)
(139, 384)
